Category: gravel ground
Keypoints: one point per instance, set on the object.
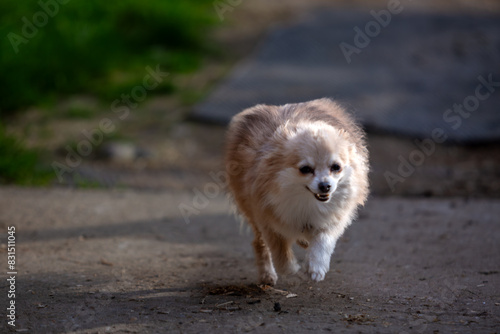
(100, 261)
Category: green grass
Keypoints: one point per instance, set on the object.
(19, 164)
(98, 47)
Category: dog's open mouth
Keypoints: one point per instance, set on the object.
(320, 197)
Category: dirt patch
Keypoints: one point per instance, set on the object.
(94, 261)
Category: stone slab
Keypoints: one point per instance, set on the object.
(403, 81)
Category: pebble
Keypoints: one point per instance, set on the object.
(122, 152)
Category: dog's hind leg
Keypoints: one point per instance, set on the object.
(267, 274)
(281, 249)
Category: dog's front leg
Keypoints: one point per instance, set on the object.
(320, 250)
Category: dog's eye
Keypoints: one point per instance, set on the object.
(306, 170)
(336, 168)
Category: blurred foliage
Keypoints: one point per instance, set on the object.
(19, 164)
(96, 47)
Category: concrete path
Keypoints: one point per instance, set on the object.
(95, 261)
(400, 71)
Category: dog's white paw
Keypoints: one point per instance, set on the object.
(317, 270)
(317, 276)
(268, 278)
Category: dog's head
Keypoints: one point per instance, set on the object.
(317, 158)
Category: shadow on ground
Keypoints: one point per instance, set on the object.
(407, 265)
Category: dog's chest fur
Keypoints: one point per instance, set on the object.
(301, 214)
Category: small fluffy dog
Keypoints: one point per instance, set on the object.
(297, 173)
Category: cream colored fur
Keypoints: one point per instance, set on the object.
(298, 173)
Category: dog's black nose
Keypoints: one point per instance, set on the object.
(324, 187)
